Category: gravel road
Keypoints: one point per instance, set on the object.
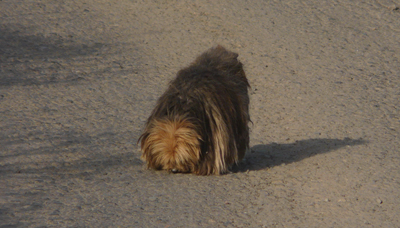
(79, 78)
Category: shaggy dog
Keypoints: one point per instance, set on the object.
(200, 124)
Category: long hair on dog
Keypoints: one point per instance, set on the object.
(200, 123)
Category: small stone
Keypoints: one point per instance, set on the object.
(56, 212)
(379, 201)
(152, 198)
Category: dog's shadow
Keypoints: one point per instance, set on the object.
(264, 156)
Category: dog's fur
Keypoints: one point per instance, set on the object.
(200, 124)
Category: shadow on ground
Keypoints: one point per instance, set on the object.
(27, 59)
(67, 154)
(17, 44)
(270, 155)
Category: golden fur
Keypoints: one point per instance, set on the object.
(200, 124)
(173, 143)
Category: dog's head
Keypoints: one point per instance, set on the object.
(172, 145)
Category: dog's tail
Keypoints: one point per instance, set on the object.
(226, 61)
(171, 143)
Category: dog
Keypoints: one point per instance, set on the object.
(200, 123)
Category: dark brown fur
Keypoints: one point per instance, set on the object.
(200, 124)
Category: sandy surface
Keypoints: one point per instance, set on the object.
(79, 78)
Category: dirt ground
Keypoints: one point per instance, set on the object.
(79, 78)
